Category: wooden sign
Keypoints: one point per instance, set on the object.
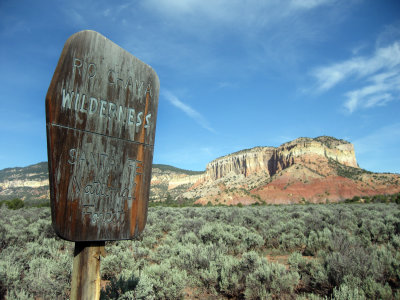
(101, 110)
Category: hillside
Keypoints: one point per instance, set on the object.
(316, 170)
(31, 183)
(319, 170)
(28, 183)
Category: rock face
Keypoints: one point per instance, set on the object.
(31, 182)
(23, 183)
(170, 181)
(271, 160)
(245, 162)
(315, 170)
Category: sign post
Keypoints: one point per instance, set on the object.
(85, 283)
(101, 111)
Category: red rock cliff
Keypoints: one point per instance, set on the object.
(271, 160)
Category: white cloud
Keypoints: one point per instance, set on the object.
(378, 92)
(378, 75)
(188, 110)
(389, 34)
(356, 50)
(195, 33)
(379, 100)
(384, 58)
(235, 12)
(308, 4)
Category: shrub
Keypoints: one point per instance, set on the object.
(209, 277)
(10, 273)
(48, 278)
(218, 252)
(116, 288)
(248, 240)
(348, 293)
(230, 282)
(167, 281)
(270, 278)
(15, 204)
(313, 275)
(144, 289)
(119, 258)
(376, 290)
(317, 241)
(292, 240)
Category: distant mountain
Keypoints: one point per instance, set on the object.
(31, 183)
(28, 183)
(307, 169)
(168, 181)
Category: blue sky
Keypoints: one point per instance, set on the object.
(233, 74)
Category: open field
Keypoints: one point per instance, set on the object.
(340, 251)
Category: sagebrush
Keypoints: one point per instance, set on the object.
(336, 251)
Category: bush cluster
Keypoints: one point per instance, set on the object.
(34, 262)
(265, 252)
(14, 204)
(392, 198)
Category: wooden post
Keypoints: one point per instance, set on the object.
(86, 270)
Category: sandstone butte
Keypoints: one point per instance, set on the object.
(316, 170)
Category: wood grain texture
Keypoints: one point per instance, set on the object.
(85, 283)
(101, 111)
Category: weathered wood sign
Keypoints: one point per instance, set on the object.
(101, 110)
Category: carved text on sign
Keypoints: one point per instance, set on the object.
(79, 103)
(101, 111)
